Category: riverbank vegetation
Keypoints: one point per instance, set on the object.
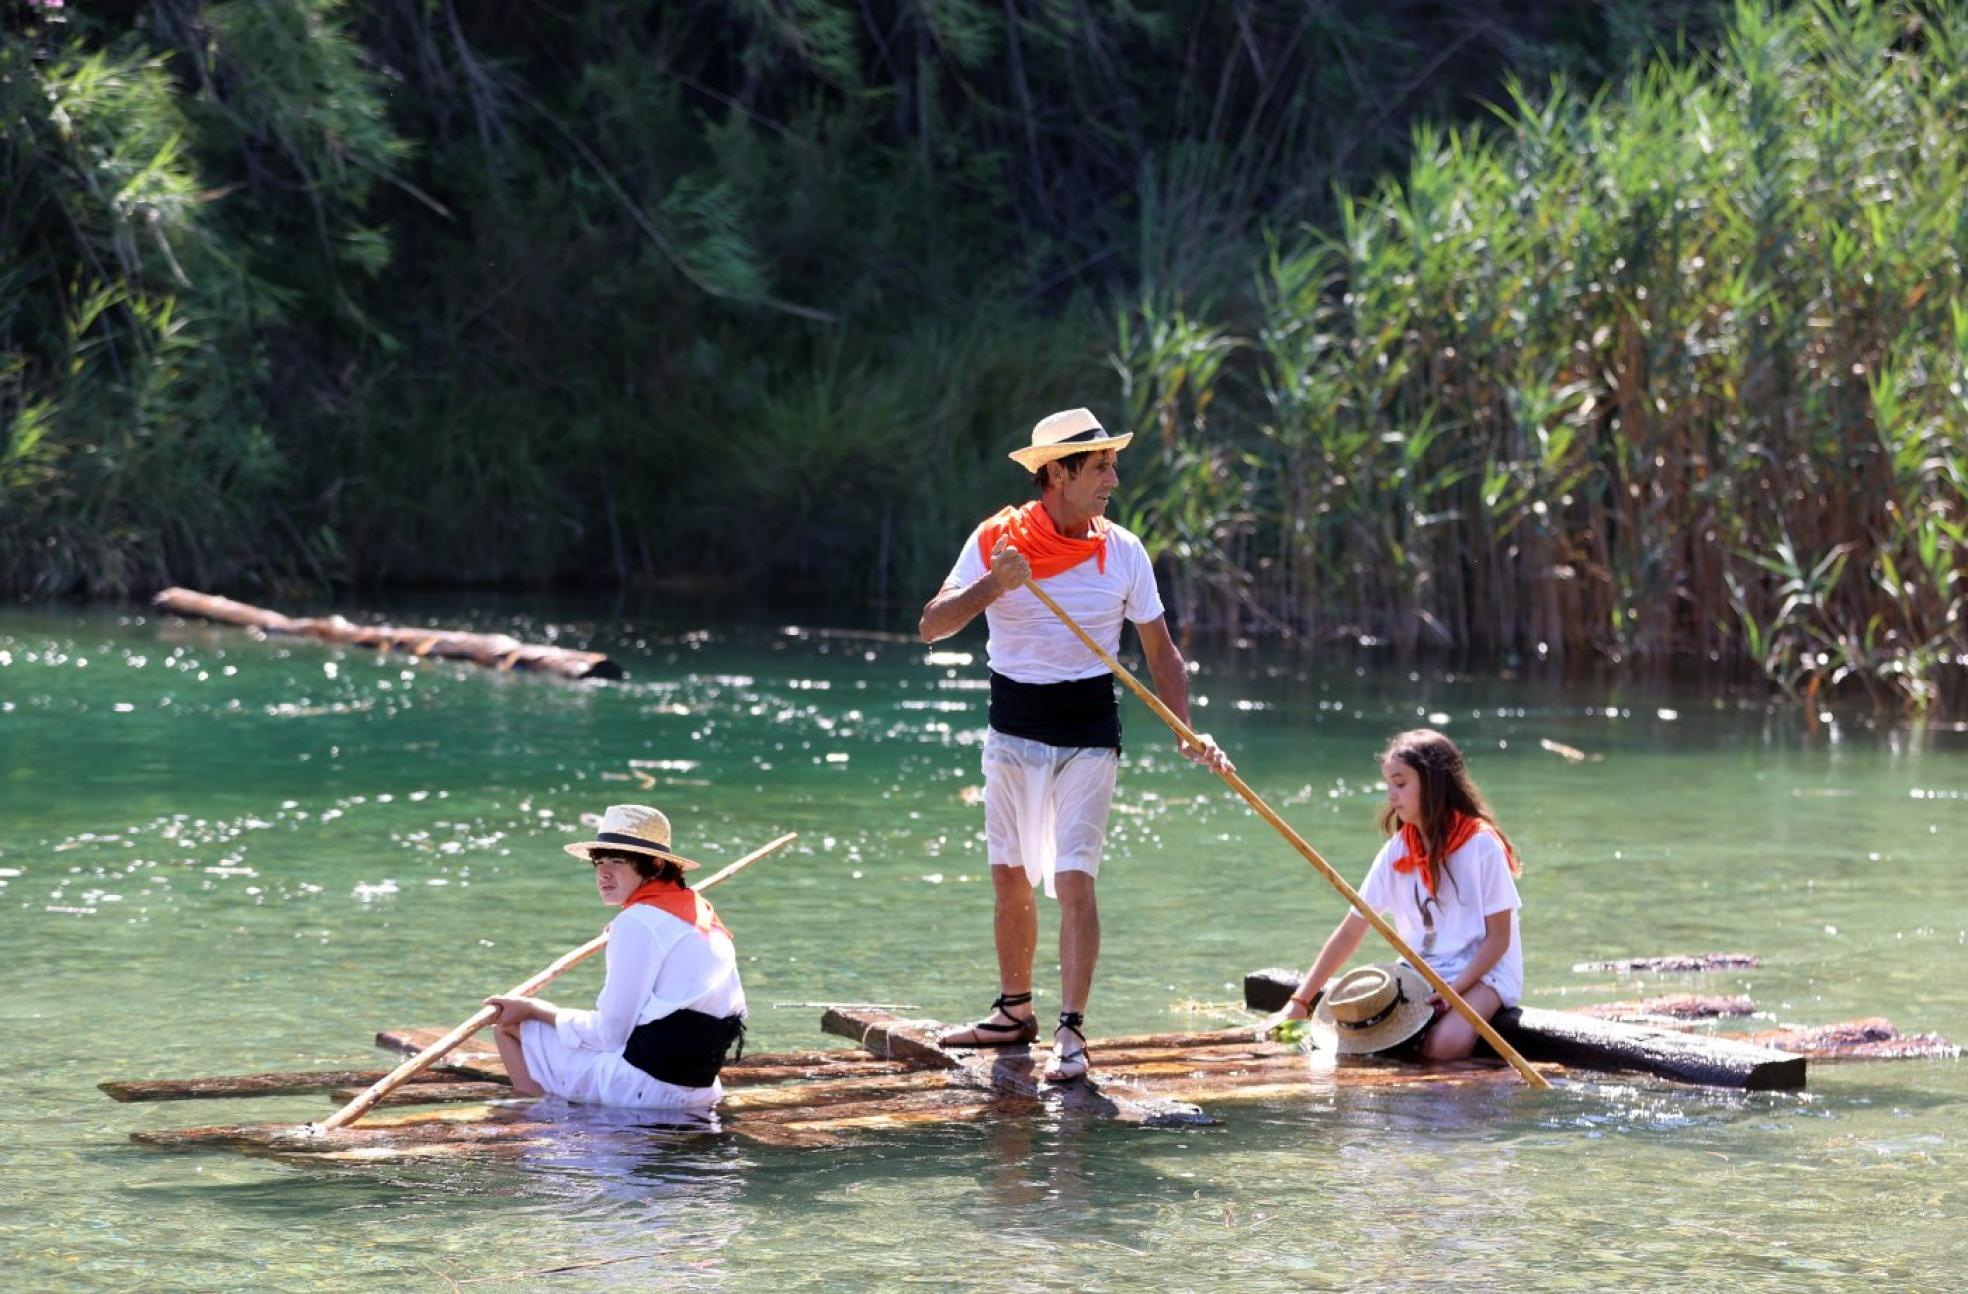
(1659, 358)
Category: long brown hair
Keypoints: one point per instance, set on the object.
(1446, 789)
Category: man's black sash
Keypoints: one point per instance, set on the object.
(685, 1048)
(1081, 712)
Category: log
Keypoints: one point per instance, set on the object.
(1572, 1039)
(1672, 1006)
(1013, 1071)
(494, 651)
(478, 1060)
(277, 1084)
(429, 1093)
(1873, 1038)
(1678, 963)
(1578, 1040)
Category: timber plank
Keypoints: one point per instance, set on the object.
(274, 1084)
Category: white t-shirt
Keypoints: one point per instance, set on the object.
(1475, 883)
(1028, 644)
(657, 963)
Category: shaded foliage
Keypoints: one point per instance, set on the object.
(1662, 359)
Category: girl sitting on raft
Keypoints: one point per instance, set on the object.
(671, 1005)
(1445, 874)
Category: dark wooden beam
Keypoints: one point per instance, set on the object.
(1581, 1041)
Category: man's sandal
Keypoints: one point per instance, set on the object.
(986, 1033)
(1065, 1066)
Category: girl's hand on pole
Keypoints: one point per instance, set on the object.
(1208, 754)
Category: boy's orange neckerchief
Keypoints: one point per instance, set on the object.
(1462, 829)
(1033, 533)
(680, 902)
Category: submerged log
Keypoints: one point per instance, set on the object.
(248, 1085)
(1568, 1038)
(494, 651)
(1679, 962)
(1673, 1006)
(1873, 1038)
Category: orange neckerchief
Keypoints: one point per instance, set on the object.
(1034, 534)
(684, 904)
(1462, 829)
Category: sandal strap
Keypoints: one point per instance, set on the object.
(1011, 999)
(1073, 1022)
(1019, 1026)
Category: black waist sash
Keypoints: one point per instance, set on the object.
(1081, 712)
(685, 1048)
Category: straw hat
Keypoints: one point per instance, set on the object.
(1374, 1008)
(634, 829)
(1075, 431)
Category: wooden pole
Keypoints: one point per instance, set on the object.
(430, 1055)
(1338, 882)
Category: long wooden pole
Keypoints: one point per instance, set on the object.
(1360, 905)
(485, 1015)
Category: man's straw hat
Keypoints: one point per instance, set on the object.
(635, 829)
(1374, 1008)
(1075, 431)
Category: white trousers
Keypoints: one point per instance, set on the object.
(1045, 807)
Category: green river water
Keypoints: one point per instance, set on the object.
(219, 855)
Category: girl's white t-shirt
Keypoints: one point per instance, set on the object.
(1475, 883)
(1028, 644)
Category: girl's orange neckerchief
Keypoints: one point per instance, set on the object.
(1462, 829)
(680, 902)
(1033, 533)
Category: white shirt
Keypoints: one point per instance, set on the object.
(1027, 642)
(657, 963)
(1475, 883)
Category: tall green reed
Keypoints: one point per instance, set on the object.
(1668, 372)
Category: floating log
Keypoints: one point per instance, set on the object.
(1571, 1039)
(494, 651)
(1568, 1038)
(247, 1085)
(1678, 963)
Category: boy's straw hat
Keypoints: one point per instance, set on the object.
(635, 829)
(1374, 1008)
(1075, 431)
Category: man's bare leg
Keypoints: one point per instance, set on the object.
(1015, 930)
(1079, 952)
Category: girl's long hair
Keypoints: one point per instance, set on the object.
(1446, 788)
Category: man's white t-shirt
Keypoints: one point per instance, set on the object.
(1475, 882)
(1027, 642)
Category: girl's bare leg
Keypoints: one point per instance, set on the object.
(1452, 1037)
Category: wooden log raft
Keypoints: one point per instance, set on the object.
(494, 651)
(1570, 1039)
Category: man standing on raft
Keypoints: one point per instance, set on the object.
(1054, 742)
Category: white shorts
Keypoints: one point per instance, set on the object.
(603, 1077)
(1045, 807)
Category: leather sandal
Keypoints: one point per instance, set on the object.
(986, 1033)
(1067, 1066)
